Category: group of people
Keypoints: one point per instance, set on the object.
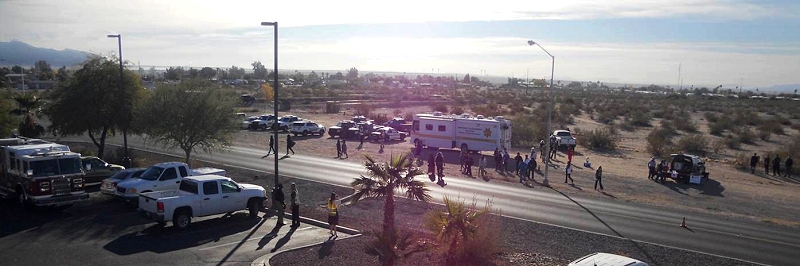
(273, 148)
(436, 168)
(776, 165)
(279, 205)
(657, 171)
(341, 149)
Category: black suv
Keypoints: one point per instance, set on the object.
(340, 129)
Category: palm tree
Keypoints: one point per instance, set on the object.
(28, 106)
(457, 224)
(383, 180)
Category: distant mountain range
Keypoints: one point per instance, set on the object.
(785, 88)
(20, 53)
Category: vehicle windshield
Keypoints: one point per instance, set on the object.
(285, 119)
(63, 166)
(188, 186)
(152, 173)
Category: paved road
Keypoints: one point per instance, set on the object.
(748, 241)
(106, 232)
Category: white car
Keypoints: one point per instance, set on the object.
(307, 127)
(246, 122)
(199, 196)
(286, 121)
(606, 259)
(109, 185)
(262, 122)
(388, 133)
(159, 177)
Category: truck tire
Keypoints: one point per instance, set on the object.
(305, 133)
(253, 207)
(321, 132)
(182, 219)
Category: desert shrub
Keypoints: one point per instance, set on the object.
(764, 134)
(525, 133)
(732, 142)
(711, 117)
(408, 117)
(606, 117)
(379, 119)
(458, 110)
(694, 144)
(686, 125)
(602, 138)
(745, 135)
(717, 128)
(668, 128)
(659, 142)
(773, 126)
(397, 112)
(439, 107)
(718, 146)
(741, 162)
(363, 109)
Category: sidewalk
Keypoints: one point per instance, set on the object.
(310, 233)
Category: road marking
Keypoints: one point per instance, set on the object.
(233, 243)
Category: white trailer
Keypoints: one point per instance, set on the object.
(464, 132)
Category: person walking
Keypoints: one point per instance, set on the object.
(468, 164)
(568, 171)
(289, 144)
(498, 160)
(431, 168)
(295, 200)
(776, 166)
(651, 166)
(333, 214)
(570, 151)
(598, 178)
(278, 203)
(753, 162)
(338, 148)
(506, 159)
(482, 167)
(440, 167)
(789, 163)
(517, 161)
(344, 149)
(271, 147)
(462, 160)
(766, 164)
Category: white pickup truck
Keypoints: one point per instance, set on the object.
(201, 195)
(565, 138)
(160, 177)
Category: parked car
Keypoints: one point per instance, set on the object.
(199, 196)
(340, 129)
(400, 124)
(262, 122)
(96, 169)
(247, 121)
(286, 121)
(388, 133)
(159, 177)
(686, 168)
(566, 139)
(606, 259)
(307, 127)
(109, 185)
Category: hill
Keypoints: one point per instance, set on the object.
(16, 52)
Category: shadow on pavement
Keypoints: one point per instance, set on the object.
(160, 239)
(285, 239)
(326, 248)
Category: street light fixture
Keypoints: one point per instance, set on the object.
(126, 160)
(549, 111)
(275, 96)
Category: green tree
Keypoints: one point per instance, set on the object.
(457, 224)
(91, 101)
(192, 73)
(7, 119)
(43, 70)
(259, 70)
(236, 72)
(62, 74)
(28, 106)
(188, 115)
(383, 180)
(174, 73)
(352, 74)
(207, 73)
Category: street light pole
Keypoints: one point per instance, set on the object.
(126, 159)
(549, 111)
(275, 125)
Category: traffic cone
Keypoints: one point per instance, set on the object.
(683, 223)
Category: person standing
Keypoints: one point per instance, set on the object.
(468, 164)
(532, 168)
(568, 171)
(664, 170)
(776, 166)
(344, 149)
(289, 144)
(651, 166)
(541, 148)
(506, 159)
(295, 200)
(462, 159)
(498, 160)
(517, 161)
(789, 163)
(439, 165)
(598, 178)
(431, 168)
(482, 167)
(271, 147)
(766, 164)
(333, 214)
(278, 203)
(570, 151)
(533, 153)
(338, 148)
(753, 162)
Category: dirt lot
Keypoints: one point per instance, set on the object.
(728, 192)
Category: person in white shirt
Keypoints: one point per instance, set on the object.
(569, 174)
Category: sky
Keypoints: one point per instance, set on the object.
(712, 42)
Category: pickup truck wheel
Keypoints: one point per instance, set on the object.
(253, 207)
(182, 220)
(305, 133)
(22, 201)
(322, 132)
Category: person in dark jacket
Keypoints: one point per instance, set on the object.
(289, 144)
(440, 165)
(278, 203)
(497, 159)
(468, 164)
(517, 161)
(431, 168)
(295, 200)
(338, 148)
(506, 158)
(753, 162)
(766, 164)
(789, 163)
(598, 178)
(776, 166)
(344, 149)
(271, 147)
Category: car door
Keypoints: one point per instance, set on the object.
(232, 199)
(211, 202)
(168, 180)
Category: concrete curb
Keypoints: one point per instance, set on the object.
(264, 260)
(339, 228)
